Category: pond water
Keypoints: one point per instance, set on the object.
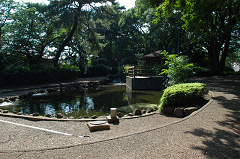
(86, 102)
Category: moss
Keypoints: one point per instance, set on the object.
(182, 95)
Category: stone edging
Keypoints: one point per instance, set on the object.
(118, 137)
(41, 118)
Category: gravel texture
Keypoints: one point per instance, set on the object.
(212, 132)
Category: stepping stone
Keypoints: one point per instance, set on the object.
(98, 125)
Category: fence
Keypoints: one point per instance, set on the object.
(148, 71)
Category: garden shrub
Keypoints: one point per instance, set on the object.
(179, 70)
(98, 70)
(182, 95)
(17, 75)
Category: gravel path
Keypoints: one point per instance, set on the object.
(213, 132)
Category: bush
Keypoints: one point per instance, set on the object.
(182, 95)
(17, 75)
(98, 70)
(179, 70)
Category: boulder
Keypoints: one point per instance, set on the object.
(71, 117)
(19, 113)
(1, 100)
(35, 114)
(179, 112)
(130, 114)
(94, 117)
(188, 111)
(5, 111)
(120, 114)
(59, 115)
(168, 110)
(48, 115)
(150, 109)
(137, 112)
(144, 111)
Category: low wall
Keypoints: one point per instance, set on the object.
(145, 83)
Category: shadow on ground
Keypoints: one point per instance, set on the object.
(224, 142)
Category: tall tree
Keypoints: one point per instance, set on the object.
(5, 7)
(74, 12)
(212, 21)
(29, 34)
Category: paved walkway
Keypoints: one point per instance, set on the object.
(213, 132)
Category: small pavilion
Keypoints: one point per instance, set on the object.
(144, 77)
(154, 58)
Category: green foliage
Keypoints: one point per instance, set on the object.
(213, 22)
(98, 67)
(182, 95)
(17, 75)
(179, 70)
(125, 69)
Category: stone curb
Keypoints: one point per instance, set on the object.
(40, 118)
(118, 137)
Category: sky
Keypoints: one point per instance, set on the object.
(127, 3)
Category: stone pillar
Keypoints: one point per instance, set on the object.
(113, 116)
(113, 112)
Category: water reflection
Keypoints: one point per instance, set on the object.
(88, 102)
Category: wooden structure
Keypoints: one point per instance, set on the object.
(146, 77)
(153, 58)
(146, 71)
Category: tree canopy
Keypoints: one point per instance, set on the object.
(90, 35)
(214, 23)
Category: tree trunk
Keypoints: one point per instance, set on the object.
(214, 55)
(65, 42)
(0, 37)
(224, 53)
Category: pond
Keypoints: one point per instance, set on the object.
(86, 102)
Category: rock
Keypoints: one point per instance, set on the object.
(7, 100)
(80, 117)
(112, 120)
(19, 113)
(94, 117)
(137, 112)
(59, 115)
(150, 109)
(168, 110)
(15, 112)
(48, 115)
(40, 91)
(51, 90)
(144, 111)
(71, 117)
(120, 114)
(35, 114)
(1, 100)
(85, 117)
(5, 111)
(130, 114)
(13, 98)
(188, 111)
(98, 125)
(179, 112)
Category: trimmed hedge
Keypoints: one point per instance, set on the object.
(182, 95)
(20, 75)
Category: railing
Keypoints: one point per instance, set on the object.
(148, 71)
